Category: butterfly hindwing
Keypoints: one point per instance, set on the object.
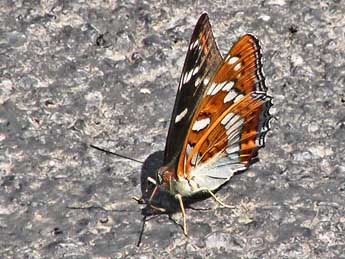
(231, 120)
(201, 62)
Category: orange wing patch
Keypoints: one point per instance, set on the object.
(241, 65)
(237, 76)
(240, 128)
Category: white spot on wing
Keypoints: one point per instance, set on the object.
(187, 77)
(197, 81)
(215, 88)
(235, 123)
(233, 136)
(194, 158)
(188, 149)
(234, 127)
(206, 80)
(238, 67)
(228, 86)
(194, 44)
(233, 149)
(201, 124)
(233, 60)
(230, 96)
(238, 98)
(218, 88)
(259, 141)
(227, 118)
(181, 115)
(234, 158)
(196, 70)
(211, 88)
(232, 122)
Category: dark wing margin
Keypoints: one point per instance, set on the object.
(202, 60)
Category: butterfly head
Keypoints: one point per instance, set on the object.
(164, 181)
(164, 176)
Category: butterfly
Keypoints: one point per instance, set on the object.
(220, 117)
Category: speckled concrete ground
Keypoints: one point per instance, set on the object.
(106, 72)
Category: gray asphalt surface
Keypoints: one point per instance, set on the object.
(74, 73)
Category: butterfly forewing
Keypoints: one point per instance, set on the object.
(202, 60)
(231, 119)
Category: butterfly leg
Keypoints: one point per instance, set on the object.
(150, 180)
(139, 200)
(150, 200)
(219, 200)
(179, 198)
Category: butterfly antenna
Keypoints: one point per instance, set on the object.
(116, 154)
(141, 232)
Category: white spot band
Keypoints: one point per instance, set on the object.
(181, 115)
(201, 124)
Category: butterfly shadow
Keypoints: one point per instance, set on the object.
(164, 201)
(161, 199)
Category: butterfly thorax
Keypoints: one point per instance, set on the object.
(170, 182)
(165, 175)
